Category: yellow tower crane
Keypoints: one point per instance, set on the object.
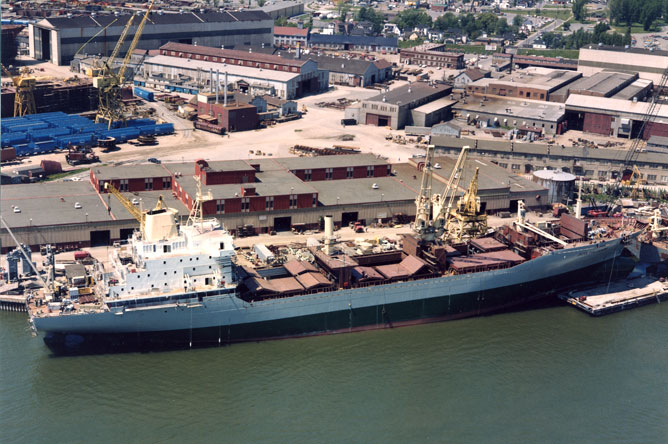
(24, 98)
(109, 83)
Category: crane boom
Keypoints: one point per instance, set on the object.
(96, 34)
(110, 109)
(132, 209)
(648, 118)
(441, 209)
(135, 41)
(423, 202)
(25, 255)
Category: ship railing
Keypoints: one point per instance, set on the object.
(331, 288)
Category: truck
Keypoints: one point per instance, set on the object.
(79, 156)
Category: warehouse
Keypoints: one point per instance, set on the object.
(58, 38)
(353, 72)
(602, 84)
(520, 157)
(313, 169)
(66, 214)
(311, 78)
(615, 117)
(257, 195)
(343, 42)
(290, 37)
(535, 83)
(160, 71)
(525, 115)
(285, 9)
(432, 113)
(498, 189)
(392, 108)
(649, 64)
(434, 55)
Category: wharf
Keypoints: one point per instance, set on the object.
(13, 302)
(618, 296)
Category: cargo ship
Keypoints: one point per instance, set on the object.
(185, 286)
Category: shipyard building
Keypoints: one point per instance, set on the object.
(520, 157)
(433, 55)
(194, 66)
(248, 196)
(649, 64)
(57, 39)
(393, 108)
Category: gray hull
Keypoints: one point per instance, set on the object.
(227, 318)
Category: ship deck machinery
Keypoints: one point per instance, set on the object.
(651, 246)
(182, 286)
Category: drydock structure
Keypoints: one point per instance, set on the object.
(172, 286)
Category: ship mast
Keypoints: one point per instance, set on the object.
(195, 217)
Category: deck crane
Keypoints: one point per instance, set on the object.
(437, 216)
(444, 203)
(423, 226)
(24, 98)
(48, 285)
(466, 219)
(109, 83)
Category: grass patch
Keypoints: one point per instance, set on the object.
(66, 174)
(556, 13)
(410, 43)
(637, 28)
(469, 49)
(565, 53)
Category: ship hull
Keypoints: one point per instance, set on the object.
(228, 319)
(649, 253)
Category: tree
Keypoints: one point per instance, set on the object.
(410, 18)
(650, 12)
(260, 3)
(446, 21)
(282, 21)
(518, 21)
(371, 15)
(343, 7)
(502, 26)
(579, 10)
(567, 26)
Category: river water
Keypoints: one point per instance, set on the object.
(552, 375)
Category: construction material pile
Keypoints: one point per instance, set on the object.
(46, 132)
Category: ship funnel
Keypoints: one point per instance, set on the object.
(329, 233)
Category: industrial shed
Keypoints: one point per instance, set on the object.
(58, 38)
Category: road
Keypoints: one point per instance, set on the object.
(549, 28)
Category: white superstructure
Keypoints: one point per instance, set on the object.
(165, 259)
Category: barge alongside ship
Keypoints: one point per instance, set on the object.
(183, 286)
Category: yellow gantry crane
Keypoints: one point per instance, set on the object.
(109, 82)
(24, 98)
